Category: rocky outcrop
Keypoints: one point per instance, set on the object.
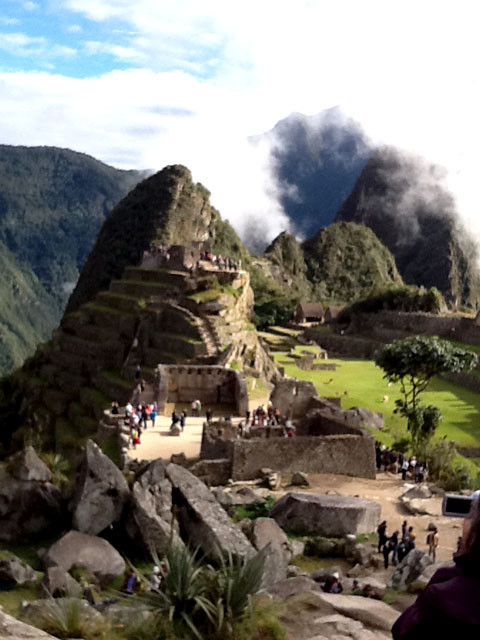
(149, 521)
(13, 629)
(411, 568)
(267, 536)
(59, 583)
(324, 515)
(202, 520)
(14, 572)
(100, 492)
(78, 550)
(30, 504)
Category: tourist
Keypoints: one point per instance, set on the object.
(128, 409)
(404, 469)
(420, 473)
(154, 413)
(209, 415)
(394, 544)
(175, 418)
(138, 372)
(404, 530)
(129, 582)
(333, 584)
(448, 606)
(369, 592)
(432, 542)
(114, 410)
(382, 535)
(378, 457)
(183, 419)
(155, 579)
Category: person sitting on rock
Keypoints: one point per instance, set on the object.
(155, 579)
(333, 584)
(114, 410)
(129, 582)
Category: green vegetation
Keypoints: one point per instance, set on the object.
(346, 262)
(406, 298)
(360, 383)
(259, 509)
(413, 362)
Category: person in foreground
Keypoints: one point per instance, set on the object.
(449, 605)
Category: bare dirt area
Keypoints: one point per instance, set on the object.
(387, 489)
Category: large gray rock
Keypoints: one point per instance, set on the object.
(422, 506)
(79, 550)
(100, 492)
(422, 581)
(14, 572)
(29, 503)
(57, 583)
(213, 472)
(13, 629)
(150, 522)
(230, 500)
(411, 567)
(266, 534)
(293, 587)
(329, 516)
(372, 613)
(421, 491)
(26, 465)
(58, 608)
(202, 519)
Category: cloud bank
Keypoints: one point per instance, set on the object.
(188, 82)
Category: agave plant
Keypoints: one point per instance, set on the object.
(60, 468)
(70, 618)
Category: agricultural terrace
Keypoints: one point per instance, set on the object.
(360, 383)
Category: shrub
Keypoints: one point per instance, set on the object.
(258, 509)
(442, 469)
(71, 618)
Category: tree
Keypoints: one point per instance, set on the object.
(413, 362)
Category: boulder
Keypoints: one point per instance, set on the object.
(421, 491)
(298, 547)
(300, 479)
(203, 521)
(100, 492)
(30, 504)
(374, 614)
(329, 516)
(57, 582)
(58, 608)
(293, 571)
(14, 572)
(293, 587)
(422, 506)
(79, 550)
(13, 629)
(267, 535)
(411, 567)
(421, 582)
(26, 465)
(271, 479)
(175, 430)
(229, 500)
(213, 472)
(149, 521)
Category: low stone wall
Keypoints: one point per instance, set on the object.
(346, 345)
(341, 454)
(210, 384)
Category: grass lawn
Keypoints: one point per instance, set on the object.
(359, 383)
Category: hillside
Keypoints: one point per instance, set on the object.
(346, 262)
(52, 204)
(135, 307)
(316, 161)
(402, 200)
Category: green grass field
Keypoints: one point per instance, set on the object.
(359, 383)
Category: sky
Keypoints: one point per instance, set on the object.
(146, 83)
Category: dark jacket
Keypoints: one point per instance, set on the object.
(448, 607)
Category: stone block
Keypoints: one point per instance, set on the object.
(329, 516)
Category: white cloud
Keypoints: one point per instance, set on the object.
(7, 21)
(406, 71)
(30, 6)
(20, 44)
(74, 28)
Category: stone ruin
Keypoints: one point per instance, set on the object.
(328, 439)
(212, 385)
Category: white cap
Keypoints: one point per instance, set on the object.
(336, 575)
(156, 570)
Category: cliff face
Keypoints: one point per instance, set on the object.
(401, 199)
(52, 204)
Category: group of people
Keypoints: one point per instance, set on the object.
(399, 463)
(397, 545)
(269, 417)
(131, 583)
(137, 419)
(221, 262)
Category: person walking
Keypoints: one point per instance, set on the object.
(183, 419)
(432, 542)
(448, 606)
(382, 535)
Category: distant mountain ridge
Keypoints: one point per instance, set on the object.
(52, 204)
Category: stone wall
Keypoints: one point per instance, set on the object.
(346, 345)
(217, 440)
(341, 454)
(210, 384)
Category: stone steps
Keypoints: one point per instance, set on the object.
(103, 315)
(169, 278)
(120, 302)
(174, 342)
(139, 289)
(153, 357)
